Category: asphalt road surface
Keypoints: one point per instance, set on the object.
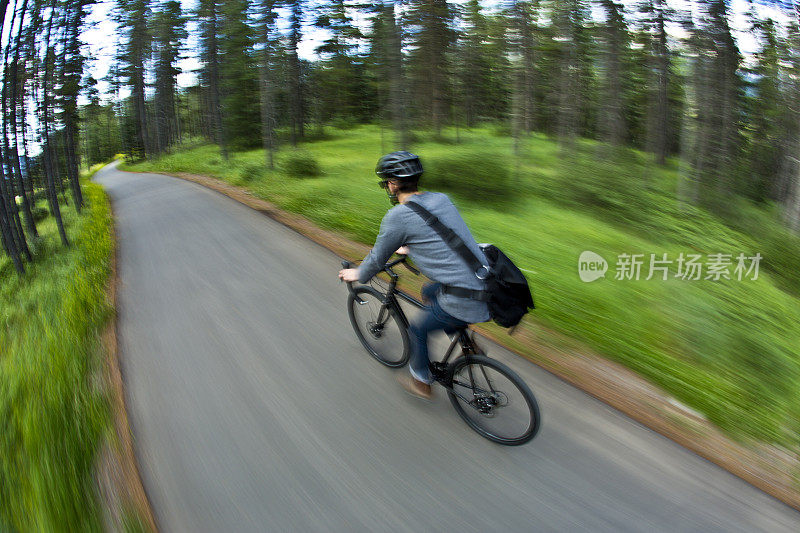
(255, 408)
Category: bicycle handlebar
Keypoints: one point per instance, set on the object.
(387, 267)
(411, 269)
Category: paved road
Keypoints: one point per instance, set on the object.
(254, 407)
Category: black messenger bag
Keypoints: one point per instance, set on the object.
(507, 293)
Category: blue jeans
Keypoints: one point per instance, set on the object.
(433, 318)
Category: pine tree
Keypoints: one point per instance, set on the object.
(114, 79)
(524, 42)
(429, 24)
(791, 166)
(238, 76)
(718, 93)
(133, 18)
(339, 74)
(168, 31)
(575, 81)
(388, 68)
(11, 235)
(49, 156)
(11, 102)
(615, 42)
(72, 62)
(208, 15)
(266, 37)
(473, 72)
(297, 105)
(765, 113)
(655, 15)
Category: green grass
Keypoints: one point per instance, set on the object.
(53, 411)
(728, 349)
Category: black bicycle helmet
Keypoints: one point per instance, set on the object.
(401, 165)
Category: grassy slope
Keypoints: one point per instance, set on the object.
(52, 410)
(726, 348)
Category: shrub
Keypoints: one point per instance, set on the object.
(301, 164)
(39, 213)
(613, 186)
(344, 123)
(481, 175)
(441, 138)
(39, 195)
(502, 129)
(413, 137)
(318, 134)
(250, 171)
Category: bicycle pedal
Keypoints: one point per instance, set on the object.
(438, 369)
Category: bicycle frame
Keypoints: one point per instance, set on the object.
(392, 294)
(391, 297)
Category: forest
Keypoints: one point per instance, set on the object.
(667, 78)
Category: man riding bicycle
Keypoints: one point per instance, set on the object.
(456, 298)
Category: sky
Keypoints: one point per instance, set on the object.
(101, 37)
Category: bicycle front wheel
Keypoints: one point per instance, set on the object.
(378, 326)
(493, 400)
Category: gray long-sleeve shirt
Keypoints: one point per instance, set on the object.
(434, 258)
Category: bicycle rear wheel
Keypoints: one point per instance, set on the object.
(493, 400)
(379, 328)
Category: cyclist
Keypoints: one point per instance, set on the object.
(456, 298)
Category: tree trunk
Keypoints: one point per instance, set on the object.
(792, 205)
(397, 83)
(267, 119)
(72, 54)
(567, 105)
(568, 97)
(13, 235)
(528, 40)
(662, 102)
(266, 112)
(12, 114)
(792, 213)
(140, 109)
(47, 154)
(9, 243)
(295, 86)
(611, 126)
(13, 238)
(216, 105)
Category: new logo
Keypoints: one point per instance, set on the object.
(591, 266)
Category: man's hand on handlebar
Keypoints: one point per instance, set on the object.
(348, 274)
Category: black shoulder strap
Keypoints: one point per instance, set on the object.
(450, 237)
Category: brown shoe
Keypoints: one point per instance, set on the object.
(416, 388)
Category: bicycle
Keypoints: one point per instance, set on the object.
(382, 327)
